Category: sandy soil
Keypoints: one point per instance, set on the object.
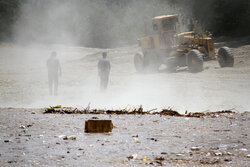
(30, 138)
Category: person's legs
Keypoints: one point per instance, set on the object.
(106, 80)
(55, 85)
(50, 80)
(101, 83)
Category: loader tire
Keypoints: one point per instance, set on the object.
(195, 61)
(225, 57)
(171, 64)
(138, 62)
(151, 62)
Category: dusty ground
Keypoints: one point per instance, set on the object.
(23, 84)
(30, 138)
(23, 80)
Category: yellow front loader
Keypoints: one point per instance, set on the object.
(166, 45)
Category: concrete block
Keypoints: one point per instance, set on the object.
(98, 126)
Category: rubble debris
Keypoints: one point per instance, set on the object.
(227, 159)
(159, 158)
(137, 141)
(144, 159)
(159, 163)
(195, 148)
(218, 154)
(64, 110)
(170, 112)
(60, 136)
(22, 127)
(12, 161)
(218, 130)
(98, 126)
(179, 155)
(7, 141)
(135, 136)
(152, 139)
(81, 148)
(210, 161)
(134, 156)
(72, 137)
(139, 111)
(248, 155)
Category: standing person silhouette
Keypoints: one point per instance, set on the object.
(103, 71)
(54, 71)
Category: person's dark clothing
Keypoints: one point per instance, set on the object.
(54, 70)
(104, 70)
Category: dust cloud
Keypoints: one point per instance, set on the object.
(89, 23)
(79, 31)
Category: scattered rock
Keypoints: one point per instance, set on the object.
(248, 155)
(228, 153)
(195, 148)
(29, 125)
(134, 156)
(81, 148)
(159, 163)
(154, 139)
(218, 154)
(209, 160)
(144, 159)
(7, 141)
(243, 149)
(73, 137)
(22, 127)
(60, 136)
(160, 158)
(137, 141)
(164, 153)
(179, 155)
(228, 159)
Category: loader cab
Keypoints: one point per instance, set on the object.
(165, 28)
(165, 23)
